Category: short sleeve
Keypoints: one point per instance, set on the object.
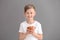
(21, 28)
(40, 29)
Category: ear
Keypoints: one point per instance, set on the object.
(35, 13)
(24, 14)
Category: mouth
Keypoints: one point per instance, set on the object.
(29, 16)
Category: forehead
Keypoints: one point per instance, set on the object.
(31, 9)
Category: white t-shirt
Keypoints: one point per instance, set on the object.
(23, 28)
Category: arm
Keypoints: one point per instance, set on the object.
(39, 36)
(22, 36)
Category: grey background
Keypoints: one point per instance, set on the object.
(11, 15)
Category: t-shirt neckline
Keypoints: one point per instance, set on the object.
(31, 23)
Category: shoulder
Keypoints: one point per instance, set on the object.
(37, 22)
(23, 22)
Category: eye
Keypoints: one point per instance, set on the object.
(31, 12)
(27, 12)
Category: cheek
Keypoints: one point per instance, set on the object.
(25, 15)
(33, 15)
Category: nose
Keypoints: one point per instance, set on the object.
(29, 14)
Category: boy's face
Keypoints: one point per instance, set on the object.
(30, 13)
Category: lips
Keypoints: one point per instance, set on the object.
(29, 16)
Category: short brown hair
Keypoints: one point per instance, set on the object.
(28, 7)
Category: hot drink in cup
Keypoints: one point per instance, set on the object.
(30, 28)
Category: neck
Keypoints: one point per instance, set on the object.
(30, 21)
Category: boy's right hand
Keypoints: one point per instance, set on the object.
(28, 32)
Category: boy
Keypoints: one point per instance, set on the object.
(30, 29)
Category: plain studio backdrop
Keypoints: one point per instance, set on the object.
(12, 14)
